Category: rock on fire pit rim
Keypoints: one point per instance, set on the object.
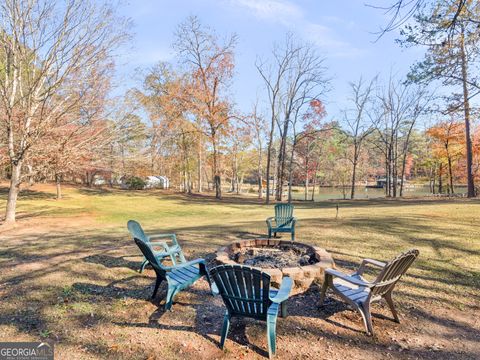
(303, 276)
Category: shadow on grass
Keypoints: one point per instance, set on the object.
(27, 194)
(112, 261)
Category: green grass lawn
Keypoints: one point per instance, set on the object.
(68, 275)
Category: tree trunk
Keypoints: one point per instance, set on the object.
(314, 181)
(259, 173)
(404, 164)
(290, 172)
(354, 174)
(58, 186)
(450, 174)
(466, 109)
(440, 183)
(30, 175)
(281, 160)
(240, 184)
(306, 179)
(269, 157)
(200, 165)
(394, 172)
(260, 186)
(218, 189)
(216, 177)
(13, 192)
(280, 165)
(388, 174)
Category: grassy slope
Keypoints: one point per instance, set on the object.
(447, 274)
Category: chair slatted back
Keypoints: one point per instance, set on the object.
(136, 231)
(244, 290)
(283, 214)
(393, 271)
(147, 251)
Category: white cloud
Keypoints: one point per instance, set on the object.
(324, 38)
(273, 10)
(293, 17)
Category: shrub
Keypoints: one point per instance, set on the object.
(135, 183)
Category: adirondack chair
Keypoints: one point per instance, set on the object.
(246, 292)
(284, 221)
(174, 252)
(360, 293)
(178, 277)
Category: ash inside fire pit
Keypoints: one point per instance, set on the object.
(280, 256)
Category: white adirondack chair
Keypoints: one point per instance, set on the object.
(360, 293)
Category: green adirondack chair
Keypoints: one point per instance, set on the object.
(178, 277)
(174, 251)
(246, 293)
(283, 221)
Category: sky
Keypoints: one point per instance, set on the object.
(344, 32)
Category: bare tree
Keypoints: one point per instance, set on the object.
(43, 45)
(400, 106)
(211, 62)
(272, 75)
(259, 135)
(359, 123)
(296, 77)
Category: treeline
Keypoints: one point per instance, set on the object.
(59, 122)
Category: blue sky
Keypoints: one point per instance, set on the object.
(343, 31)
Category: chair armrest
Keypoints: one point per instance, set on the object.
(188, 263)
(161, 236)
(294, 221)
(284, 291)
(365, 262)
(348, 278)
(269, 221)
(159, 243)
(374, 262)
(215, 290)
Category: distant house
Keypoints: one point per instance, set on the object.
(382, 183)
(159, 182)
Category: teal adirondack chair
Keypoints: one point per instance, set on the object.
(246, 293)
(283, 221)
(178, 277)
(174, 252)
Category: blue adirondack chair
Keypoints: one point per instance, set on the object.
(283, 221)
(174, 252)
(178, 277)
(246, 292)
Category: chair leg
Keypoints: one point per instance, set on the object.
(364, 310)
(388, 298)
(269, 233)
(145, 262)
(226, 326)
(271, 335)
(157, 285)
(169, 299)
(283, 309)
(274, 234)
(323, 292)
(293, 235)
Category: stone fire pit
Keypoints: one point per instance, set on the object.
(303, 263)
